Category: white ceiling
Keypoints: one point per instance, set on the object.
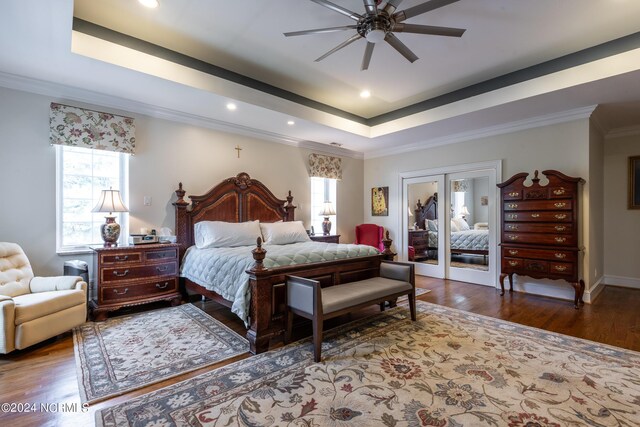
(243, 36)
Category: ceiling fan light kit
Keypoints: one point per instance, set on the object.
(380, 24)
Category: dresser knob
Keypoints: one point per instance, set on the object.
(162, 286)
(162, 268)
(512, 227)
(512, 205)
(124, 273)
(512, 237)
(122, 258)
(513, 252)
(561, 239)
(560, 255)
(560, 227)
(514, 194)
(535, 215)
(560, 267)
(513, 216)
(560, 216)
(513, 263)
(559, 192)
(115, 291)
(560, 205)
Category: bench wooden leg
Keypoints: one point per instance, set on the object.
(317, 337)
(412, 305)
(382, 306)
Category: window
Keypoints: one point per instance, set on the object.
(323, 189)
(81, 174)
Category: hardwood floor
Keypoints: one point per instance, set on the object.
(45, 374)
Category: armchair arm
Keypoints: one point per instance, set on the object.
(302, 294)
(7, 324)
(56, 283)
(398, 271)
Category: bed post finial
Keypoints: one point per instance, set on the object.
(180, 193)
(386, 242)
(535, 178)
(258, 255)
(289, 208)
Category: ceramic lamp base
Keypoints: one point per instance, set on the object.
(110, 231)
(326, 226)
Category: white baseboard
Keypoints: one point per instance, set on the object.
(626, 282)
(593, 292)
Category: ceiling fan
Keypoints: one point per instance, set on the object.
(380, 24)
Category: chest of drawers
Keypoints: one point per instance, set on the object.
(133, 275)
(539, 235)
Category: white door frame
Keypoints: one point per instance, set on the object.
(403, 225)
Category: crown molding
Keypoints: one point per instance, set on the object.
(520, 125)
(126, 106)
(622, 132)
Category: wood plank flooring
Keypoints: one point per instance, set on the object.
(46, 374)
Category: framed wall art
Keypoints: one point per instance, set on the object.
(380, 201)
(634, 182)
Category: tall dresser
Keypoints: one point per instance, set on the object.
(540, 229)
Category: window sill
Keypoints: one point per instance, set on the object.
(75, 251)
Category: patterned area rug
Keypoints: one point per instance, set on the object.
(450, 368)
(129, 352)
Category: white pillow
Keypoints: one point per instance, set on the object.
(283, 233)
(432, 225)
(461, 224)
(454, 227)
(220, 234)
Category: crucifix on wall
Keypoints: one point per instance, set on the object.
(238, 149)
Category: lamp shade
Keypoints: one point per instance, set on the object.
(409, 211)
(327, 209)
(110, 201)
(464, 211)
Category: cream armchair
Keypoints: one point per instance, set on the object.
(33, 309)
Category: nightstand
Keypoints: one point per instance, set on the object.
(326, 238)
(133, 275)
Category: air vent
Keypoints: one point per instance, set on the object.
(336, 144)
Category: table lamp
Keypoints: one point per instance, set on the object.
(110, 201)
(327, 211)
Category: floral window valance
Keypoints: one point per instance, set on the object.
(79, 127)
(325, 166)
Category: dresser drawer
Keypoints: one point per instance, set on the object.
(112, 274)
(159, 254)
(564, 268)
(535, 266)
(557, 255)
(511, 194)
(539, 205)
(136, 290)
(547, 216)
(539, 239)
(120, 257)
(561, 192)
(511, 264)
(539, 228)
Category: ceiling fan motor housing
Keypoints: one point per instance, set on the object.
(374, 27)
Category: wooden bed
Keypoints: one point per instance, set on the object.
(239, 199)
(430, 211)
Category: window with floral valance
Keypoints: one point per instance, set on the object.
(322, 166)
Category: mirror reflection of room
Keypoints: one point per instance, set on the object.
(423, 244)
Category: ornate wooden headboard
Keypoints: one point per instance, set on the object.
(236, 199)
(427, 211)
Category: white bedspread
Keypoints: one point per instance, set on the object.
(222, 270)
(460, 240)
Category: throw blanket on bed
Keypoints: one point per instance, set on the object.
(470, 240)
(222, 270)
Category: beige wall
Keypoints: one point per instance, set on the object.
(593, 212)
(564, 147)
(167, 153)
(621, 225)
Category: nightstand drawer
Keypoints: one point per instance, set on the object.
(155, 255)
(112, 274)
(136, 290)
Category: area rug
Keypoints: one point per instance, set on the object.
(449, 368)
(419, 291)
(129, 352)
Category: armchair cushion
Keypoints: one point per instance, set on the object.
(33, 306)
(15, 270)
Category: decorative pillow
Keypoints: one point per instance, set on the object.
(432, 225)
(220, 234)
(461, 224)
(283, 233)
(454, 227)
(481, 226)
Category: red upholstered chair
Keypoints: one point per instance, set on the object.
(370, 234)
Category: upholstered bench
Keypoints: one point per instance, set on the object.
(306, 298)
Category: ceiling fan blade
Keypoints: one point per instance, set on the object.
(391, 6)
(368, 51)
(370, 6)
(428, 29)
(339, 9)
(420, 9)
(340, 46)
(321, 30)
(400, 47)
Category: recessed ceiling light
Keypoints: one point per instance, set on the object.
(365, 94)
(291, 123)
(149, 3)
(231, 106)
